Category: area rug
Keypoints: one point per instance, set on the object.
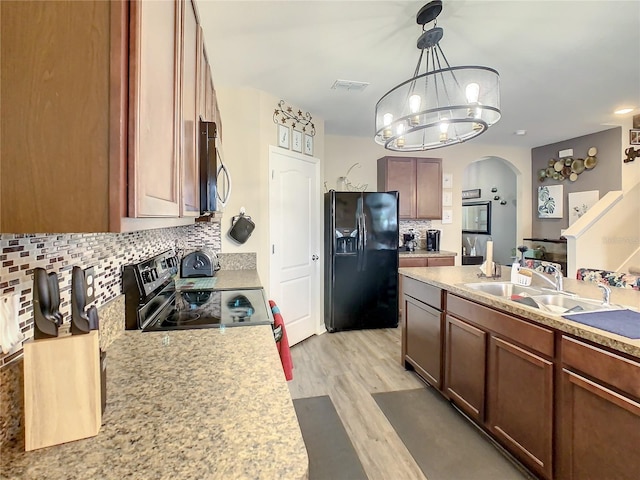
(442, 442)
(331, 453)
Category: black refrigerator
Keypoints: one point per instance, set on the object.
(361, 260)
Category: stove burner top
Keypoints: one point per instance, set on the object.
(207, 309)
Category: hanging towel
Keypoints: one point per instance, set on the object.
(283, 344)
(10, 334)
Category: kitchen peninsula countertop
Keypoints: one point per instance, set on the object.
(422, 253)
(452, 278)
(187, 404)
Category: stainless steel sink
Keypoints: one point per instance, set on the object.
(503, 289)
(559, 304)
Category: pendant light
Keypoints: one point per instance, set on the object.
(440, 105)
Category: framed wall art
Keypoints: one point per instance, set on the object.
(283, 136)
(296, 141)
(308, 144)
(580, 202)
(550, 203)
(634, 136)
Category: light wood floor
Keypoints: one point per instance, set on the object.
(349, 367)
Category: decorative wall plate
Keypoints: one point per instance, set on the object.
(578, 166)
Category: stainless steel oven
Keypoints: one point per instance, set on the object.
(154, 303)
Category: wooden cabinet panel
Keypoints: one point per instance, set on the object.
(189, 117)
(412, 262)
(100, 143)
(520, 404)
(398, 173)
(419, 182)
(424, 339)
(440, 262)
(154, 103)
(607, 367)
(465, 366)
(600, 431)
(58, 83)
(532, 336)
(425, 293)
(428, 188)
(426, 261)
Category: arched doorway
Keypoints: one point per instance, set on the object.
(496, 179)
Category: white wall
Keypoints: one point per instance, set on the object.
(247, 131)
(342, 152)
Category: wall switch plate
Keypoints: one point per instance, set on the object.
(90, 282)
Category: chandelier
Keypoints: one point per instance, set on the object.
(441, 106)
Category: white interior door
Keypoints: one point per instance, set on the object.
(295, 231)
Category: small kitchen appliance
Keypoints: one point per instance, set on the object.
(199, 264)
(433, 240)
(409, 241)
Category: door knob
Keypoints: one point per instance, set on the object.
(315, 257)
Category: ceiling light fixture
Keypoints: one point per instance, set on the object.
(442, 106)
(623, 111)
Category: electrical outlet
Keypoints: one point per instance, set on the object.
(90, 282)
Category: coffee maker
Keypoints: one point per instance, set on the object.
(433, 240)
(409, 241)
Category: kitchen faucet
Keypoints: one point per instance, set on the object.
(556, 283)
(606, 294)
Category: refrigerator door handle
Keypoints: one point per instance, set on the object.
(364, 241)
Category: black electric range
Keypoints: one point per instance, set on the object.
(153, 303)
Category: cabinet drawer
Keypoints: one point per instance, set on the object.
(527, 334)
(608, 367)
(440, 262)
(423, 292)
(413, 262)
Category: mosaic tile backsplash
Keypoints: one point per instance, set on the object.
(106, 252)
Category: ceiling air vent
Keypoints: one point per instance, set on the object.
(349, 85)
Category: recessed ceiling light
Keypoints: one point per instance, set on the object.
(520, 132)
(622, 111)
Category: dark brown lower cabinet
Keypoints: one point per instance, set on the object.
(600, 431)
(465, 366)
(423, 324)
(520, 404)
(599, 414)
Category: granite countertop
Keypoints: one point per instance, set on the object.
(234, 279)
(451, 278)
(187, 404)
(421, 253)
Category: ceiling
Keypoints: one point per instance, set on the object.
(564, 66)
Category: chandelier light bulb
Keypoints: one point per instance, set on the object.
(414, 106)
(473, 92)
(400, 131)
(444, 127)
(387, 119)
